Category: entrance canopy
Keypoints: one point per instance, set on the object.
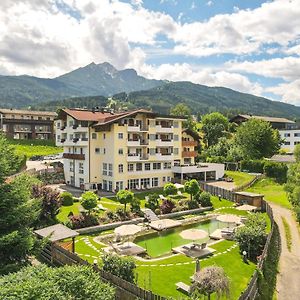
(56, 232)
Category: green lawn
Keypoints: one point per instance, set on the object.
(274, 192)
(65, 210)
(239, 178)
(35, 147)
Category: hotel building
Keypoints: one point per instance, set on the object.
(135, 149)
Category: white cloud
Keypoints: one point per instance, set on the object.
(209, 3)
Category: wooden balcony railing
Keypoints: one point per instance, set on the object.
(189, 153)
(189, 143)
(74, 156)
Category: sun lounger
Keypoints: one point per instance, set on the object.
(186, 247)
(180, 286)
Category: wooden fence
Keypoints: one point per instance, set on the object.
(217, 191)
(54, 254)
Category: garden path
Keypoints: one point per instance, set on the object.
(288, 278)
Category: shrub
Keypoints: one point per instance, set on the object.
(170, 189)
(205, 199)
(167, 206)
(89, 200)
(110, 215)
(124, 197)
(255, 166)
(276, 170)
(122, 214)
(119, 266)
(157, 211)
(152, 202)
(66, 199)
(135, 205)
(192, 204)
(83, 220)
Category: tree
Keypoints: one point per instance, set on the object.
(297, 153)
(152, 202)
(205, 199)
(18, 213)
(50, 201)
(257, 139)
(124, 197)
(182, 110)
(192, 187)
(252, 236)
(66, 199)
(211, 280)
(170, 189)
(68, 282)
(135, 205)
(214, 126)
(119, 266)
(89, 200)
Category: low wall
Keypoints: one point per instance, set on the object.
(185, 212)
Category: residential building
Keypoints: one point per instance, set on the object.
(27, 124)
(112, 151)
(288, 129)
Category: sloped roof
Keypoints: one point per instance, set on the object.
(27, 112)
(56, 232)
(266, 118)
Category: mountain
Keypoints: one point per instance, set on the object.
(91, 80)
(201, 99)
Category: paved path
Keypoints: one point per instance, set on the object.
(288, 279)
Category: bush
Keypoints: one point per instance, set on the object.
(167, 206)
(170, 189)
(83, 220)
(89, 200)
(205, 199)
(122, 214)
(255, 166)
(111, 215)
(152, 202)
(66, 199)
(135, 205)
(192, 204)
(276, 170)
(119, 266)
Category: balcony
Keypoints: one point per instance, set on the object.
(74, 156)
(164, 156)
(189, 153)
(75, 140)
(75, 126)
(137, 128)
(165, 142)
(133, 157)
(164, 128)
(62, 140)
(144, 157)
(133, 143)
(62, 128)
(189, 143)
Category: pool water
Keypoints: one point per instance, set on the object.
(161, 242)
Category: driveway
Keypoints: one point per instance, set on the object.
(39, 164)
(288, 278)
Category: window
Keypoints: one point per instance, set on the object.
(147, 166)
(133, 184)
(97, 150)
(175, 151)
(81, 181)
(58, 137)
(104, 150)
(71, 123)
(81, 171)
(139, 166)
(176, 124)
(152, 151)
(297, 134)
(287, 143)
(120, 135)
(81, 150)
(152, 137)
(121, 169)
(104, 171)
(94, 135)
(154, 182)
(296, 143)
(110, 186)
(71, 137)
(176, 138)
(164, 179)
(105, 185)
(104, 136)
(156, 166)
(119, 185)
(145, 182)
(58, 125)
(121, 151)
(71, 166)
(130, 168)
(167, 165)
(110, 170)
(287, 135)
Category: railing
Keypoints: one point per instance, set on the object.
(74, 156)
(189, 143)
(189, 153)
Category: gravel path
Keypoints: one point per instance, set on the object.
(288, 278)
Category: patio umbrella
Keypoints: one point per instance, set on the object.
(126, 230)
(246, 207)
(193, 234)
(229, 219)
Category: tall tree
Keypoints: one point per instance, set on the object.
(192, 187)
(214, 126)
(211, 280)
(125, 197)
(257, 139)
(18, 212)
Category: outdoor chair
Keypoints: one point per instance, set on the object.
(183, 287)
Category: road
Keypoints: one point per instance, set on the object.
(288, 278)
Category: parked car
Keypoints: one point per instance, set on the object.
(36, 157)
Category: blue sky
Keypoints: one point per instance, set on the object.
(250, 46)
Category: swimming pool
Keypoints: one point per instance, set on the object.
(161, 242)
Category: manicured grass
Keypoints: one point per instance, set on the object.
(288, 234)
(65, 210)
(274, 192)
(223, 203)
(35, 147)
(239, 178)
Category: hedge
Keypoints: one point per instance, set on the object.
(254, 166)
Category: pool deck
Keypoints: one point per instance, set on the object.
(193, 252)
(164, 224)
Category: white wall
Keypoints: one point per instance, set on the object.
(291, 138)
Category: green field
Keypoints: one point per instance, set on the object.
(239, 178)
(35, 147)
(274, 192)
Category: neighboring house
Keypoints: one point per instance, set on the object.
(135, 149)
(27, 124)
(287, 129)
